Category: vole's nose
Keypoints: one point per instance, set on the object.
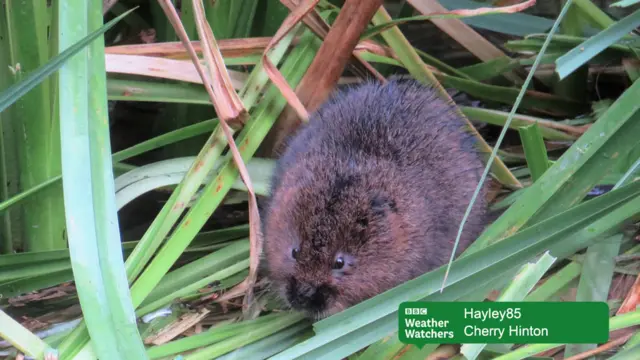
(306, 290)
(303, 294)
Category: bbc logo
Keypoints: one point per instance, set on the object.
(415, 311)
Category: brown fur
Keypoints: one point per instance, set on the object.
(381, 176)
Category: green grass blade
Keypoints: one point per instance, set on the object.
(89, 195)
(597, 273)
(593, 171)
(519, 287)
(213, 335)
(584, 52)
(25, 285)
(559, 281)
(271, 345)
(630, 174)
(191, 277)
(37, 270)
(25, 194)
(176, 204)
(440, 65)
(632, 70)
(496, 117)
(34, 270)
(615, 323)
(490, 69)
(508, 95)
(592, 12)
(145, 146)
(564, 43)
(614, 132)
(230, 18)
(534, 150)
(139, 90)
(386, 348)
(12, 94)
(8, 169)
(595, 280)
(635, 340)
(574, 86)
(627, 354)
(36, 139)
(21, 338)
(625, 3)
(144, 179)
(186, 132)
(251, 335)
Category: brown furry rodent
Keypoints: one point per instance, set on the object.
(368, 195)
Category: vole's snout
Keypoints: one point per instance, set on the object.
(303, 295)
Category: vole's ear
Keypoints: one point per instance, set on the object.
(382, 204)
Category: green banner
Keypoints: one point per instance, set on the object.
(423, 323)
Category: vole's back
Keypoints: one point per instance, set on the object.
(401, 121)
(402, 124)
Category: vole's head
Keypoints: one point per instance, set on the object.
(332, 240)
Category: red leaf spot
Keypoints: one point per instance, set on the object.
(198, 165)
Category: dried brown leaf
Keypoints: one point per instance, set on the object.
(176, 328)
(228, 104)
(230, 48)
(288, 24)
(339, 46)
(312, 19)
(214, 59)
(433, 4)
(335, 51)
(602, 348)
(458, 30)
(317, 24)
(162, 68)
(632, 300)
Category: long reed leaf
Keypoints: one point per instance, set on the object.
(534, 150)
(582, 53)
(89, 196)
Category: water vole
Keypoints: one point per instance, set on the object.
(369, 194)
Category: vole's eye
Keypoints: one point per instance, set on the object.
(339, 263)
(294, 253)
